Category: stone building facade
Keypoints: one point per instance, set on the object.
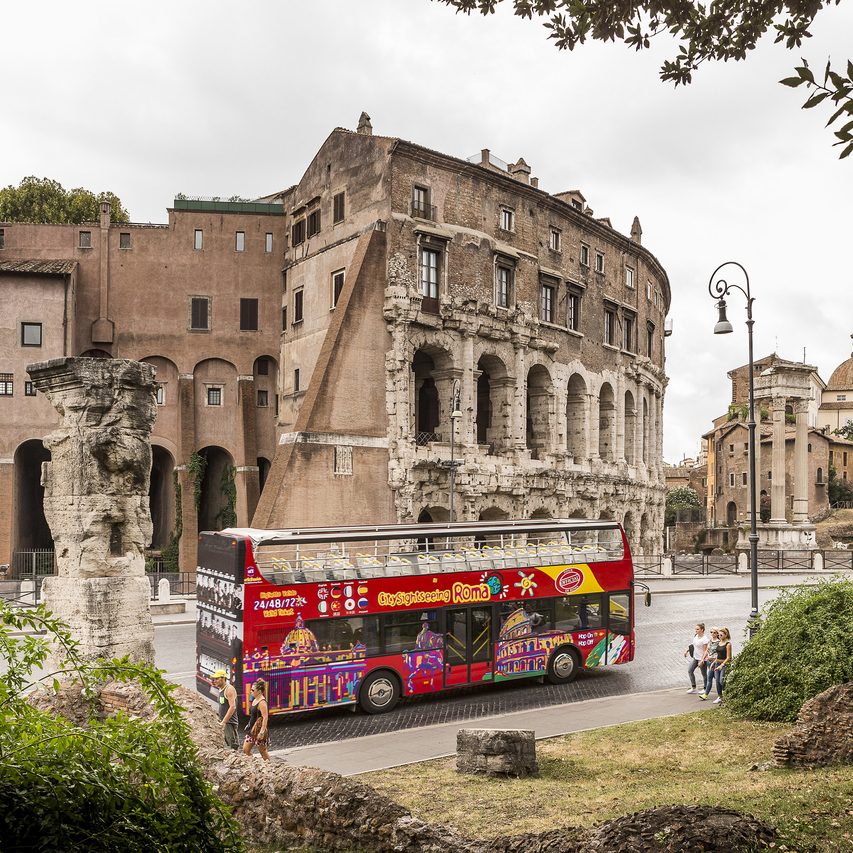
(199, 299)
(448, 314)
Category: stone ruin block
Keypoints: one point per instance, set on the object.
(496, 752)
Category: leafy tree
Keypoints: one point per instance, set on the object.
(682, 497)
(44, 200)
(840, 491)
(804, 646)
(117, 784)
(846, 431)
(720, 31)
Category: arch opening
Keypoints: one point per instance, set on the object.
(215, 510)
(538, 421)
(161, 497)
(31, 530)
(577, 418)
(606, 422)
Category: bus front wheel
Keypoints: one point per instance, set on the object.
(563, 666)
(379, 692)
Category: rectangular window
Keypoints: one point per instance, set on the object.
(29, 389)
(420, 202)
(214, 395)
(295, 380)
(830, 457)
(313, 222)
(2, 238)
(338, 208)
(297, 306)
(268, 243)
(342, 635)
(599, 262)
(85, 240)
(619, 614)
(555, 240)
(731, 478)
(263, 398)
(844, 458)
(198, 239)
(7, 384)
(629, 278)
(649, 291)
(546, 303)
(284, 319)
(297, 232)
(248, 315)
(650, 340)
(610, 326)
(200, 313)
(161, 395)
(240, 241)
(584, 255)
(30, 334)
(576, 612)
(743, 478)
(263, 366)
(124, 240)
(503, 287)
(628, 332)
(337, 286)
(841, 397)
(400, 630)
(429, 274)
(574, 319)
(507, 219)
(731, 448)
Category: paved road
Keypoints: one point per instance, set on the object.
(663, 632)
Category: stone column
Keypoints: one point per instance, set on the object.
(7, 508)
(801, 463)
(467, 434)
(592, 426)
(247, 475)
(562, 430)
(188, 544)
(777, 490)
(96, 501)
(519, 426)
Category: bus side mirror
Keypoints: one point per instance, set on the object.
(647, 598)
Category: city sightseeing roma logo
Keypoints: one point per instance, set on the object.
(569, 580)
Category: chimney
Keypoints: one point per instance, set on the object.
(534, 182)
(365, 128)
(636, 231)
(484, 157)
(520, 171)
(106, 209)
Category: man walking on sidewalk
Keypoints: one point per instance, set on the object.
(696, 651)
(227, 708)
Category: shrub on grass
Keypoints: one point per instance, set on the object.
(804, 646)
(114, 784)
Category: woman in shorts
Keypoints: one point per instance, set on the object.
(258, 733)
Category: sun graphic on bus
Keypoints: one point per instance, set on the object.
(526, 584)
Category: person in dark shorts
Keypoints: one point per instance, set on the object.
(258, 734)
(227, 709)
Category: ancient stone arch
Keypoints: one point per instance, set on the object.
(606, 422)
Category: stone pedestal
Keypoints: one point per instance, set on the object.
(96, 501)
(496, 752)
(781, 537)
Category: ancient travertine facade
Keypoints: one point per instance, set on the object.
(96, 501)
(408, 272)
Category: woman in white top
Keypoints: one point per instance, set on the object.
(696, 651)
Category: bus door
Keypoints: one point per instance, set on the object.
(468, 646)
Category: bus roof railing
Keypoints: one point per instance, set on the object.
(318, 535)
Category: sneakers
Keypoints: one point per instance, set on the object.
(692, 690)
(703, 696)
(718, 700)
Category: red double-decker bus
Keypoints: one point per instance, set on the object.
(332, 617)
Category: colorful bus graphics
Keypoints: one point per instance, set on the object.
(327, 616)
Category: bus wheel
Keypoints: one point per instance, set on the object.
(379, 692)
(563, 666)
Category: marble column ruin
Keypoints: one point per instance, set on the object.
(777, 489)
(96, 501)
(801, 462)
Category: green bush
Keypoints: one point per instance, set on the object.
(117, 784)
(804, 646)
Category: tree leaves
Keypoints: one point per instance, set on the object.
(44, 200)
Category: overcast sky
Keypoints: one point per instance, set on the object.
(214, 98)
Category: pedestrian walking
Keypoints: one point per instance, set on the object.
(724, 658)
(710, 661)
(258, 735)
(227, 709)
(696, 652)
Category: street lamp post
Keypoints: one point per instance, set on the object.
(455, 415)
(719, 288)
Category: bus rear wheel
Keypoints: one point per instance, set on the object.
(379, 693)
(563, 666)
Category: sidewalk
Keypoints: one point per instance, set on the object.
(726, 582)
(392, 749)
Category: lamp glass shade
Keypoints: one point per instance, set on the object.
(723, 327)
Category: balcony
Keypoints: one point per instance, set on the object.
(422, 210)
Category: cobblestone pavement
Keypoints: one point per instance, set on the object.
(663, 632)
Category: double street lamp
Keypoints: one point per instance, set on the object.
(719, 288)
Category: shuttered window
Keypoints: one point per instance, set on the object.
(249, 315)
(200, 312)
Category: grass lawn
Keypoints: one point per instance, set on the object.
(589, 777)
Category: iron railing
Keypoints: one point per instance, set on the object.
(34, 561)
(837, 559)
(180, 583)
(652, 565)
(424, 438)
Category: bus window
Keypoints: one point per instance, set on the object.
(345, 634)
(522, 618)
(578, 611)
(619, 616)
(403, 632)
